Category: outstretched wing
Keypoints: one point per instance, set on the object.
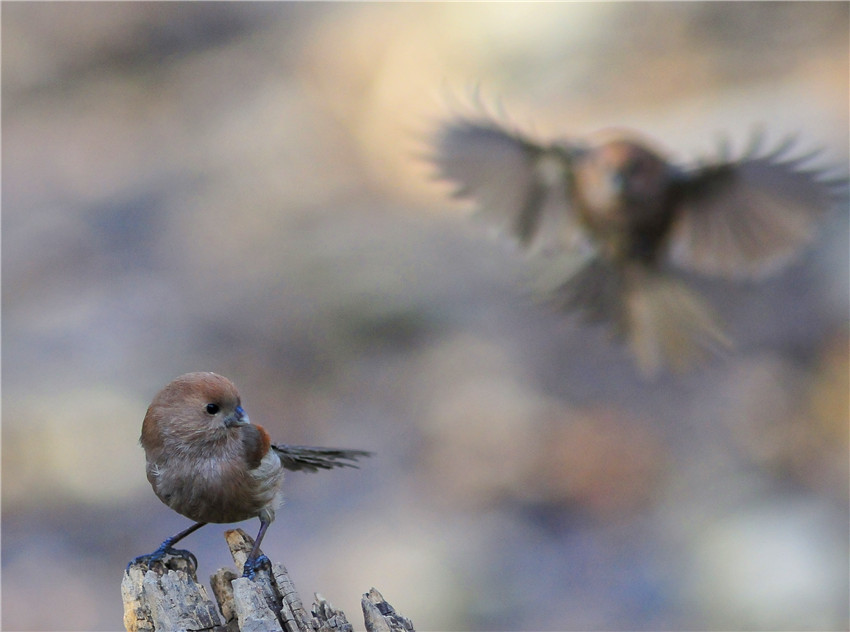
(514, 180)
(747, 218)
(310, 459)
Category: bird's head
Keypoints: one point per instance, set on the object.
(193, 405)
(621, 178)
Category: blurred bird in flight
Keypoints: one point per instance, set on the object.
(608, 216)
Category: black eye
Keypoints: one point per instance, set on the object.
(212, 409)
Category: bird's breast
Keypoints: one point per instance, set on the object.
(219, 489)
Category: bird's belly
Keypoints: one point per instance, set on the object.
(216, 492)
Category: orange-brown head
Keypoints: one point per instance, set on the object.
(621, 182)
(193, 409)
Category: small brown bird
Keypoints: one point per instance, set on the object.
(607, 218)
(208, 462)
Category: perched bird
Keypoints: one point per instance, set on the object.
(208, 462)
(605, 220)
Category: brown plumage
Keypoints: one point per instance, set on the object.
(609, 217)
(208, 462)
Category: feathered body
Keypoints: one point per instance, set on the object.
(208, 462)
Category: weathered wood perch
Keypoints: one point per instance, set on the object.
(168, 598)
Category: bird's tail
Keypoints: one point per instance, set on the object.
(311, 459)
(662, 321)
(666, 323)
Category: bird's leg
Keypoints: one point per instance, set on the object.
(255, 561)
(167, 548)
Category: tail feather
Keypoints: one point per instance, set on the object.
(667, 324)
(310, 459)
(662, 321)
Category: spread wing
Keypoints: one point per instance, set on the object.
(747, 218)
(515, 181)
(309, 459)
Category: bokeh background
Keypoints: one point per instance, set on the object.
(238, 187)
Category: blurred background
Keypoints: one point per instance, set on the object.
(238, 187)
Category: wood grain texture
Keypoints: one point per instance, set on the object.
(168, 597)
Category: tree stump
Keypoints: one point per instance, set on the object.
(168, 598)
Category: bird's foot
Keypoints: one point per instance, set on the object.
(252, 566)
(165, 550)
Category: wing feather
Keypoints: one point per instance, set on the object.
(517, 183)
(748, 218)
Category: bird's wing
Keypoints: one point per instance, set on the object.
(310, 459)
(515, 181)
(747, 218)
(592, 286)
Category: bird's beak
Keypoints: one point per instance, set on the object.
(237, 418)
(617, 183)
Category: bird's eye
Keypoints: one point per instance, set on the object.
(212, 409)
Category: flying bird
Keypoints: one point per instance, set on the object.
(610, 218)
(208, 462)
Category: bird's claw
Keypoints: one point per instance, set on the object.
(157, 556)
(252, 566)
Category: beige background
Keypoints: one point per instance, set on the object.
(236, 188)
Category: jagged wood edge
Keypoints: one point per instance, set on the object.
(168, 597)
